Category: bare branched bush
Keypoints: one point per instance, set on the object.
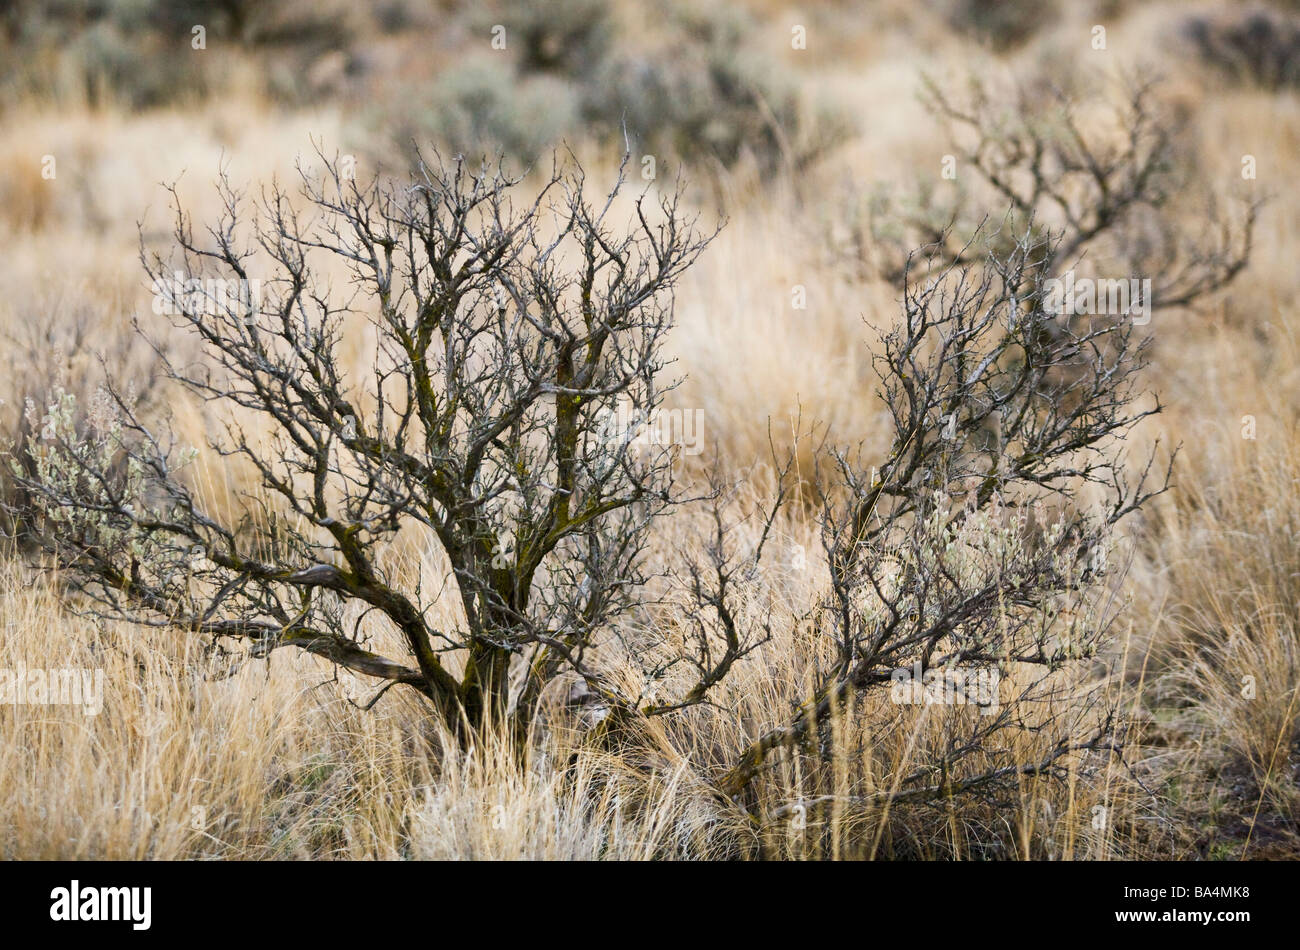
(1103, 171)
(971, 546)
(508, 341)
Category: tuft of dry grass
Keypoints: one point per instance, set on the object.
(276, 760)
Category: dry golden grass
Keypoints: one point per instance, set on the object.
(275, 761)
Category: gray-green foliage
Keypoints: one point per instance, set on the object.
(698, 92)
